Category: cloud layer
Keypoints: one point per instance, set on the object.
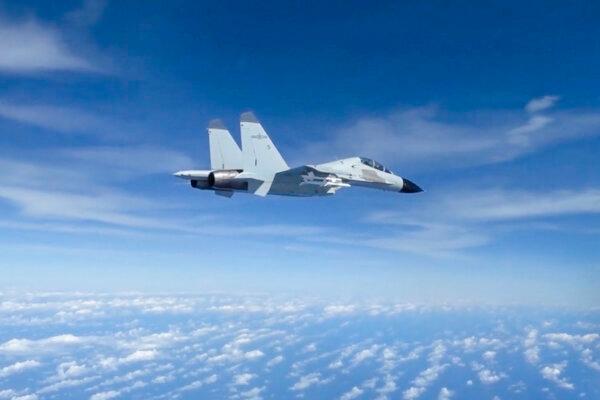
(215, 346)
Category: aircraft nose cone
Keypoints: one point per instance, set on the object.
(410, 187)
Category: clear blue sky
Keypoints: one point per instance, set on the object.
(493, 109)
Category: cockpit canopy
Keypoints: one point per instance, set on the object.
(374, 164)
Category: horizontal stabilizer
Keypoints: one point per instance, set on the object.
(224, 193)
(263, 189)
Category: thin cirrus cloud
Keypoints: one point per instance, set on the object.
(430, 136)
(541, 103)
(498, 205)
(30, 47)
(447, 225)
(64, 119)
(495, 205)
(77, 196)
(88, 14)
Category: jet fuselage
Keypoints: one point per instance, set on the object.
(258, 168)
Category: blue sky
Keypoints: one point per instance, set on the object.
(494, 110)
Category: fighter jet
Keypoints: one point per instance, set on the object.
(258, 168)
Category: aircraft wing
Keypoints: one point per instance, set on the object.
(329, 181)
(257, 184)
(306, 181)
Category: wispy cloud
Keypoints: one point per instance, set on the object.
(433, 239)
(88, 14)
(65, 119)
(30, 46)
(131, 160)
(541, 103)
(307, 381)
(428, 136)
(445, 224)
(506, 205)
(110, 208)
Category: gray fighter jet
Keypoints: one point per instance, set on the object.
(258, 168)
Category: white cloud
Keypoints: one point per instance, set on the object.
(428, 376)
(309, 348)
(425, 378)
(587, 359)
(573, 340)
(253, 394)
(425, 137)
(274, 361)
(307, 381)
(339, 309)
(189, 342)
(253, 354)
(436, 239)
(53, 343)
(7, 393)
(59, 119)
(437, 353)
(520, 136)
(446, 224)
(352, 393)
(445, 394)
(541, 103)
(532, 355)
(389, 386)
(140, 355)
(532, 351)
(30, 46)
(109, 208)
(488, 377)
(70, 369)
(505, 205)
(131, 160)
(192, 386)
(110, 394)
(18, 367)
(553, 373)
(66, 383)
(243, 379)
(364, 354)
(413, 392)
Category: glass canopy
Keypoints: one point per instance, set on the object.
(374, 164)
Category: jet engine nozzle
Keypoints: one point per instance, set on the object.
(225, 179)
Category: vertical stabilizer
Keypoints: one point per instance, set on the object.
(224, 151)
(260, 156)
